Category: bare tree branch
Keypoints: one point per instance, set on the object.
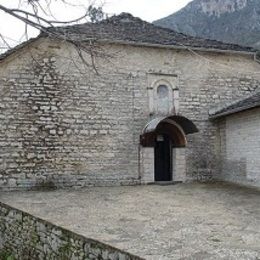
(40, 22)
(4, 41)
(21, 18)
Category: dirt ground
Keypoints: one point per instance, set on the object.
(184, 221)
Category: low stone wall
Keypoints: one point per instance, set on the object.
(23, 237)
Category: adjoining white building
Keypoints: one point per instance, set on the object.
(239, 140)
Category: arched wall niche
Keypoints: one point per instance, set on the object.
(163, 96)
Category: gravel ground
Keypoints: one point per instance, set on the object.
(184, 221)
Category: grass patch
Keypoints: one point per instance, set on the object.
(6, 255)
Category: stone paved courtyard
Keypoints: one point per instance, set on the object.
(184, 221)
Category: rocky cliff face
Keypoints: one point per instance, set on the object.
(219, 7)
(234, 21)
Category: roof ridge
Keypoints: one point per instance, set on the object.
(126, 28)
(128, 17)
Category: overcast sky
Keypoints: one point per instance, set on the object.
(148, 10)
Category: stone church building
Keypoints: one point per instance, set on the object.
(131, 103)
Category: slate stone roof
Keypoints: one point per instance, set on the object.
(127, 28)
(16, 48)
(238, 106)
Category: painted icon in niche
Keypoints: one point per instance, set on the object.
(163, 99)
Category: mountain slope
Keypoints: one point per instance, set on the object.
(233, 21)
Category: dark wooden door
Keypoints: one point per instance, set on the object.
(162, 160)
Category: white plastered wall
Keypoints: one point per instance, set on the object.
(240, 148)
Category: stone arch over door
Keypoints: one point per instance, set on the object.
(163, 141)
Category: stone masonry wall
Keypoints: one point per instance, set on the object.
(240, 148)
(147, 168)
(63, 125)
(60, 128)
(23, 236)
(179, 164)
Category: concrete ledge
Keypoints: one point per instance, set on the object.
(24, 236)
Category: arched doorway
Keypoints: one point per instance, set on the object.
(160, 137)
